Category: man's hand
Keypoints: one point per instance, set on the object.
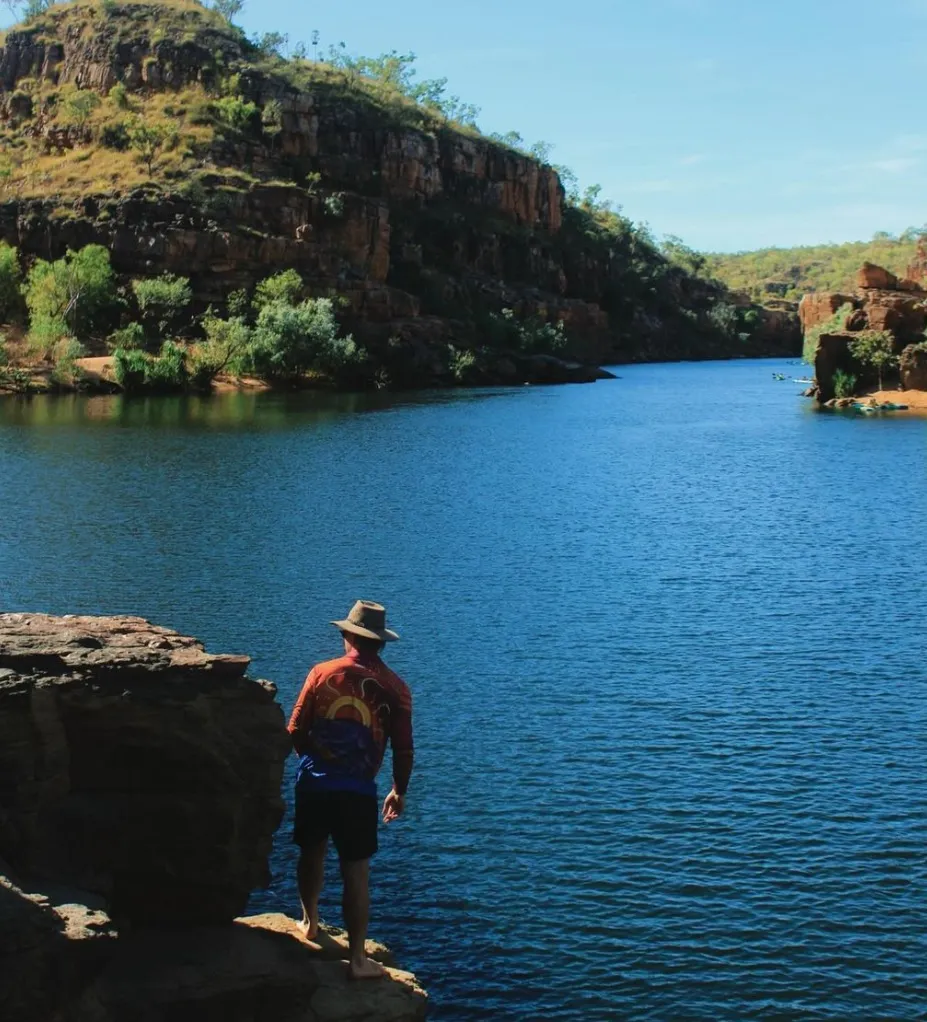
(394, 806)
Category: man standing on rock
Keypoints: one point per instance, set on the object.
(347, 711)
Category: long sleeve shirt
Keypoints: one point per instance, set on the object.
(346, 713)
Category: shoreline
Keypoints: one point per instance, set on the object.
(98, 381)
(916, 400)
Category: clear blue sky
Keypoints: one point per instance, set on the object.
(731, 123)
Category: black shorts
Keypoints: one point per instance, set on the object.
(350, 819)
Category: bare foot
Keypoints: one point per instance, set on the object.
(368, 969)
(309, 928)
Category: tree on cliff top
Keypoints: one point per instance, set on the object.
(229, 9)
(26, 10)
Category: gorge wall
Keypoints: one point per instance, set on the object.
(139, 794)
(425, 230)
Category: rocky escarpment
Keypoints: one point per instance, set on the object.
(882, 302)
(140, 785)
(424, 229)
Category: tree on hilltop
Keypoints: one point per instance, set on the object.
(26, 10)
(229, 9)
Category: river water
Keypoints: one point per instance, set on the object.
(665, 636)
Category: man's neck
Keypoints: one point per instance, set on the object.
(363, 658)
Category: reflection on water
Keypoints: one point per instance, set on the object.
(238, 410)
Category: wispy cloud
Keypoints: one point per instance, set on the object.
(911, 143)
(693, 159)
(896, 165)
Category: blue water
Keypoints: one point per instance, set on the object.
(665, 636)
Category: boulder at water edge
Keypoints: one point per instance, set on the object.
(135, 765)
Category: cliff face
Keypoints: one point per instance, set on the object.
(95, 794)
(425, 230)
(140, 784)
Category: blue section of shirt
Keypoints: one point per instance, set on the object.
(342, 757)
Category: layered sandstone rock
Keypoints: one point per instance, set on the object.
(818, 307)
(913, 367)
(872, 276)
(832, 355)
(136, 765)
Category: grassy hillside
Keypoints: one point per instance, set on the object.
(792, 272)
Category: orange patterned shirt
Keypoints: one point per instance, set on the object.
(346, 713)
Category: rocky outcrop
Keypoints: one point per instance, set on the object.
(913, 367)
(872, 276)
(818, 307)
(140, 784)
(883, 304)
(832, 355)
(136, 765)
(65, 962)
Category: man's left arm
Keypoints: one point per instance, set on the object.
(403, 756)
(301, 717)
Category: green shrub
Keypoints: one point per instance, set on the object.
(462, 364)
(290, 340)
(162, 300)
(531, 336)
(136, 371)
(10, 276)
(66, 371)
(119, 95)
(724, 318)
(235, 112)
(283, 287)
(44, 335)
(168, 370)
(76, 107)
(844, 384)
(334, 205)
(129, 337)
(77, 292)
(149, 139)
(238, 304)
(130, 367)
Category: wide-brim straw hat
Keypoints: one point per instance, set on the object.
(368, 620)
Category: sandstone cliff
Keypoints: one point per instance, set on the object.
(425, 229)
(140, 784)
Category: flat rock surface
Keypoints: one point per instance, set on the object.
(254, 970)
(40, 643)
